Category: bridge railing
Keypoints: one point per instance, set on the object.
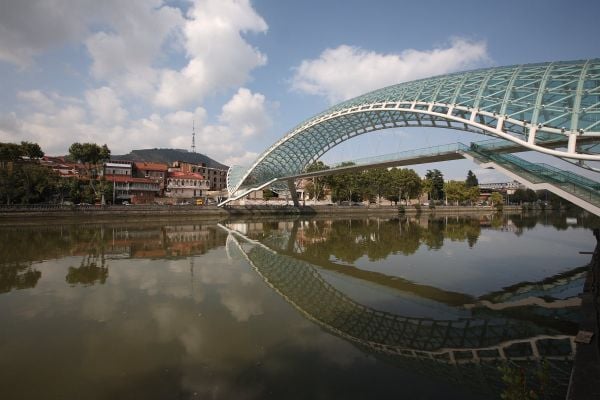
(580, 186)
(422, 152)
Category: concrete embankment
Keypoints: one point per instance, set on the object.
(585, 377)
(16, 214)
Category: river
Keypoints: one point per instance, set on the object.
(416, 307)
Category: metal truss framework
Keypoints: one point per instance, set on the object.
(470, 339)
(526, 104)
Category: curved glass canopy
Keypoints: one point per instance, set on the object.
(526, 104)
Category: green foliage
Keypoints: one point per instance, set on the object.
(32, 150)
(406, 182)
(436, 184)
(524, 196)
(27, 183)
(17, 276)
(455, 191)
(377, 183)
(90, 154)
(88, 272)
(345, 186)
(459, 192)
(15, 152)
(471, 180)
(268, 195)
(497, 200)
(316, 187)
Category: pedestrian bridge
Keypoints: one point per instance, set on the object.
(552, 108)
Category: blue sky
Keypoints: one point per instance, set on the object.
(134, 74)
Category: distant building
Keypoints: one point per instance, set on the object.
(118, 168)
(155, 171)
(62, 167)
(501, 186)
(216, 177)
(186, 185)
(134, 190)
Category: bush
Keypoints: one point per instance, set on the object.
(401, 209)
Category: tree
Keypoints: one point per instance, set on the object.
(22, 179)
(405, 184)
(345, 186)
(436, 184)
(473, 194)
(31, 150)
(524, 196)
(91, 155)
(377, 182)
(497, 200)
(455, 191)
(268, 195)
(316, 188)
(11, 152)
(471, 180)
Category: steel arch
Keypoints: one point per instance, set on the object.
(526, 104)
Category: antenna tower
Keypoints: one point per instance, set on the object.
(193, 138)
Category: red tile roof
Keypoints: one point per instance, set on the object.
(150, 166)
(185, 175)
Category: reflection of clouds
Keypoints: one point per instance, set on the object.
(102, 305)
(241, 305)
(145, 319)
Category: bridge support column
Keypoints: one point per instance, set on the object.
(292, 188)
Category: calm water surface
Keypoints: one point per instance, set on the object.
(415, 308)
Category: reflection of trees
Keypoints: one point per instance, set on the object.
(16, 276)
(348, 240)
(88, 272)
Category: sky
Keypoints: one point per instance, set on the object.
(138, 74)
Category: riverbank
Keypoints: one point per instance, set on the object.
(14, 214)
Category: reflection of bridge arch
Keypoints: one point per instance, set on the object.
(451, 341)
(526, 104)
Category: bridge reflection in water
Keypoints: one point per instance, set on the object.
(516, 327)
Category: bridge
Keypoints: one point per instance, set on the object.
(481, 340)
(552, 108)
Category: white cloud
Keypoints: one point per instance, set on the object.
(28, 28)
(219, 57)
(130, 45)
(105, 106)
(124, 55)
(60, 121)
(37, 100)
(346, 71)
(246, 113)
(137, 30)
